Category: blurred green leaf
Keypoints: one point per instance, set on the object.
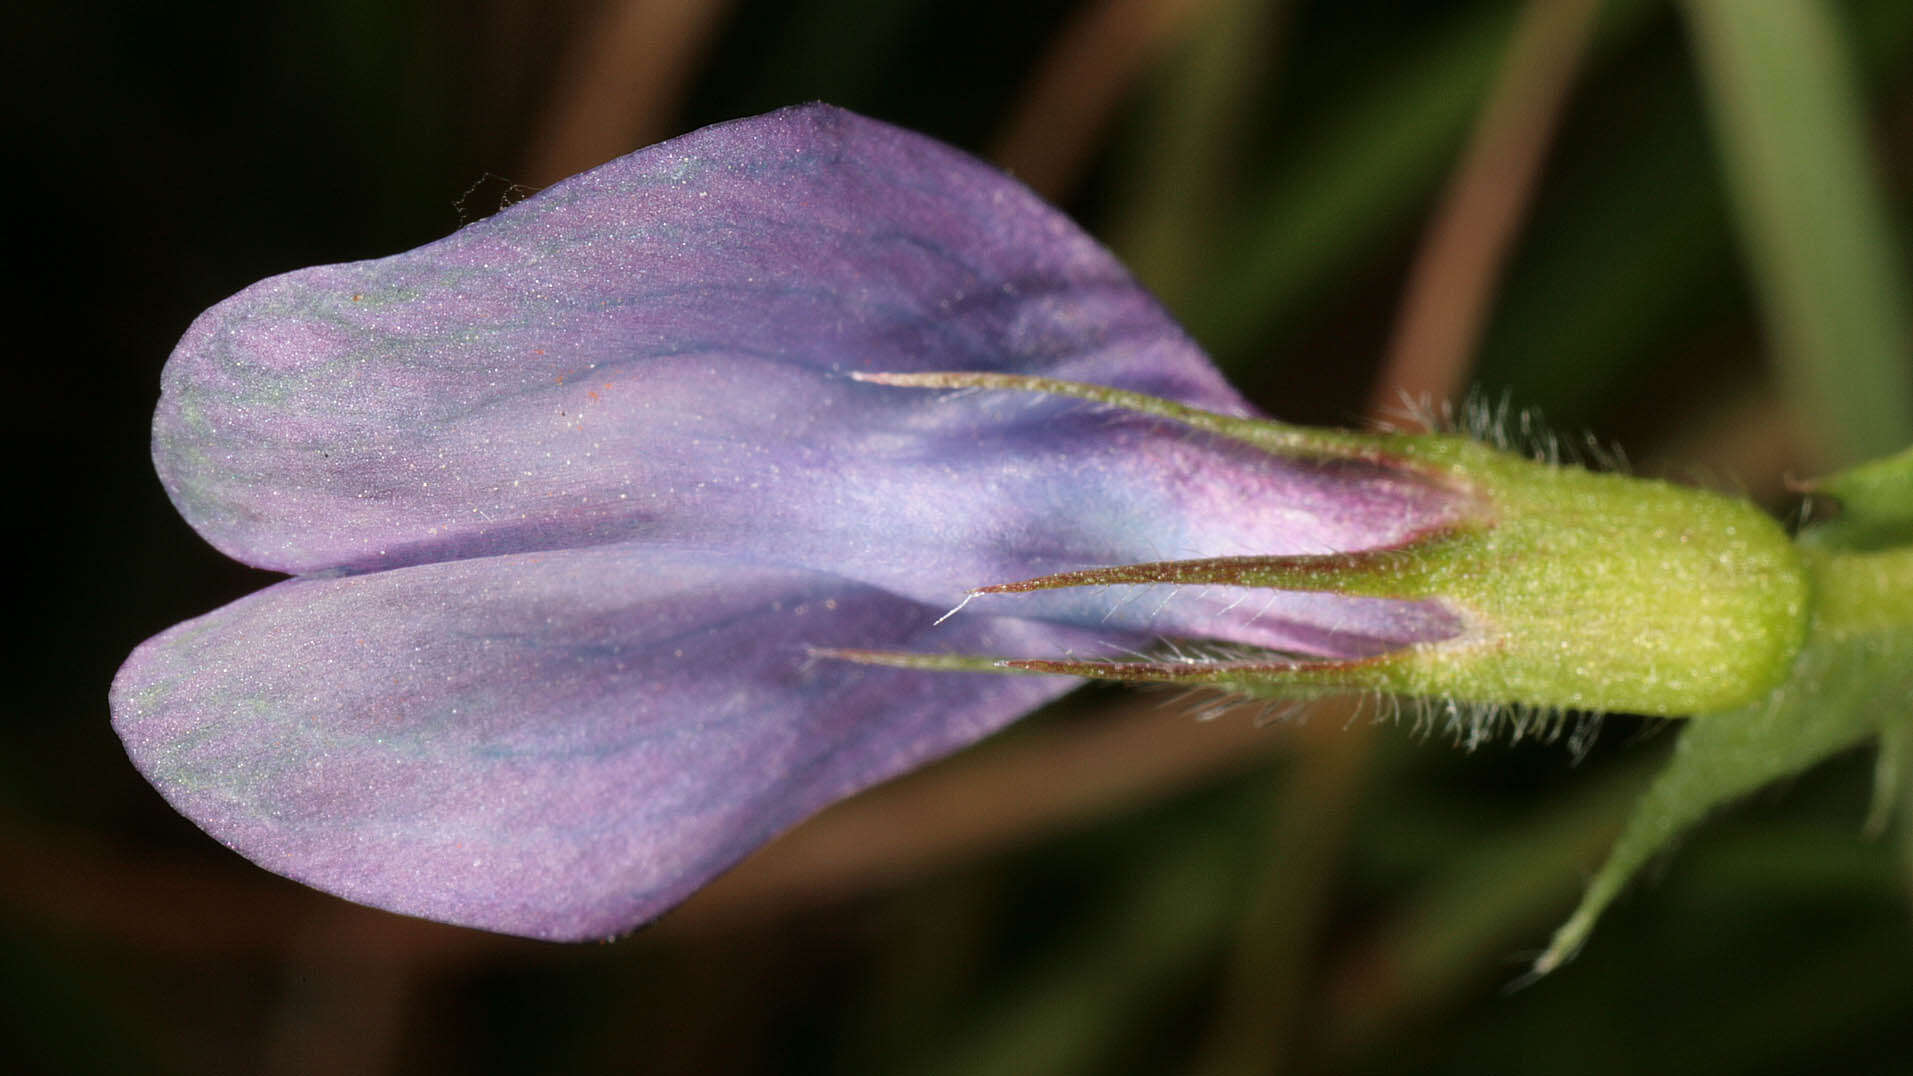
(1455, 932)
(1360, 171)
(1356, 172)
(1101, 984)
(1876, 504)
(1622, 264)
(1819, 237)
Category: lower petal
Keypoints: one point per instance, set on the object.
(560, 745)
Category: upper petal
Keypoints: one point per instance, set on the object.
(551, 375)
(658, 349)
(560, 745)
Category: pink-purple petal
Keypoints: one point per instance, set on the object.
(571, 370)
(560, 745)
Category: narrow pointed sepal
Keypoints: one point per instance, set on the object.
(1262, 676)
(906, 659)
(1275, 436)
(1271, 677)
(1374, 573)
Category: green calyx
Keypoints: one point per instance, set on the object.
(1605, 592)
(1583, 590)
(1576, 589)
(1852, 681)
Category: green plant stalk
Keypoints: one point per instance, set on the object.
(1852, 680)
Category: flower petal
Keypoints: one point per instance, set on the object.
(659, 350)
(481, 394)
(557, 745)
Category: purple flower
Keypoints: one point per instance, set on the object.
(575, 498)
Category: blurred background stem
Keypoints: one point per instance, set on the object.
(1203, 108)
(1452, 283)
(1076, 93)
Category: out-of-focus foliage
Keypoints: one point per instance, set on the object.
(1051, 902)
(1819, 238)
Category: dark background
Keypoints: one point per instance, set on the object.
(1111, 887)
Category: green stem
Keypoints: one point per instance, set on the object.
(1864, 593)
